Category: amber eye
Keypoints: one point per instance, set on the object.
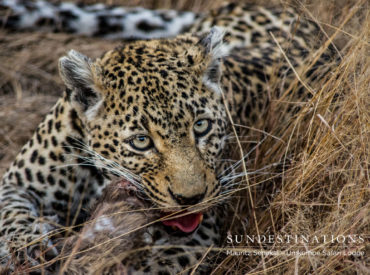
(202, 127)
(141, 143)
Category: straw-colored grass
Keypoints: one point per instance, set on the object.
(323, 186)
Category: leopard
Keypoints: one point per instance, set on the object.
(158, 113)
(98, 20)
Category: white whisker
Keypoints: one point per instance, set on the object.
(231, 177)
(94, 159)
(238, 163)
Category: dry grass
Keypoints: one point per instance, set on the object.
(322, 190)
(324, 187)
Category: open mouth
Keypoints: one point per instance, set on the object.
(186, 223)
(183, 221)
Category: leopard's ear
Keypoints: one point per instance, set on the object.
(77, 72)
(214, 51)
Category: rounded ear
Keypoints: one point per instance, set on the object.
(76, 70)
(215, 50)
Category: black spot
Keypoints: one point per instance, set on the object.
(104, 26)
(163, 272)
(130, 99)
(140, 50)
(262, 76)
(184, 95)
(61, 158)
(183, 261)
(11, 21)
(147, 27)
(173, 251)
(28, 174)
(39, 139)
(209, 226)
(112, 149)
(34, 156)
(19, 179)
(67, 14)
(40, 177)
(165, 17)
(58, 126)
(157, 235)
(198, 255)
(46, 143)
(202, 234)
(147, 269)
(62, 183)
(41, 160)
(50, 180)
(54, 141)
(63, 172)
(135, 109)
(61, 196)
(50, 126)
(20, 163)
(255, 36)
(76, 123)
(163, 73)
(96, 145)
(58, 206)
(53, 156)
(67, 17)
(105, 153)
(190, 59)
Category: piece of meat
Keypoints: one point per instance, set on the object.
(116, 227)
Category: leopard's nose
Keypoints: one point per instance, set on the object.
(187, 201)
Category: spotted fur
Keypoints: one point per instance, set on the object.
(160, 89)
(111, 22)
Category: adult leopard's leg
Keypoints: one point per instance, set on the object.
(45, 186)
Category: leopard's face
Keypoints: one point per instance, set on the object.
(157, 118)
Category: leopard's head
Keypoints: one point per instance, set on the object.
(154, 114)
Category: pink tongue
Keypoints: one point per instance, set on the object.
(186, 223)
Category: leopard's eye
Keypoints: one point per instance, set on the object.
(202, 127)
(141, 143)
